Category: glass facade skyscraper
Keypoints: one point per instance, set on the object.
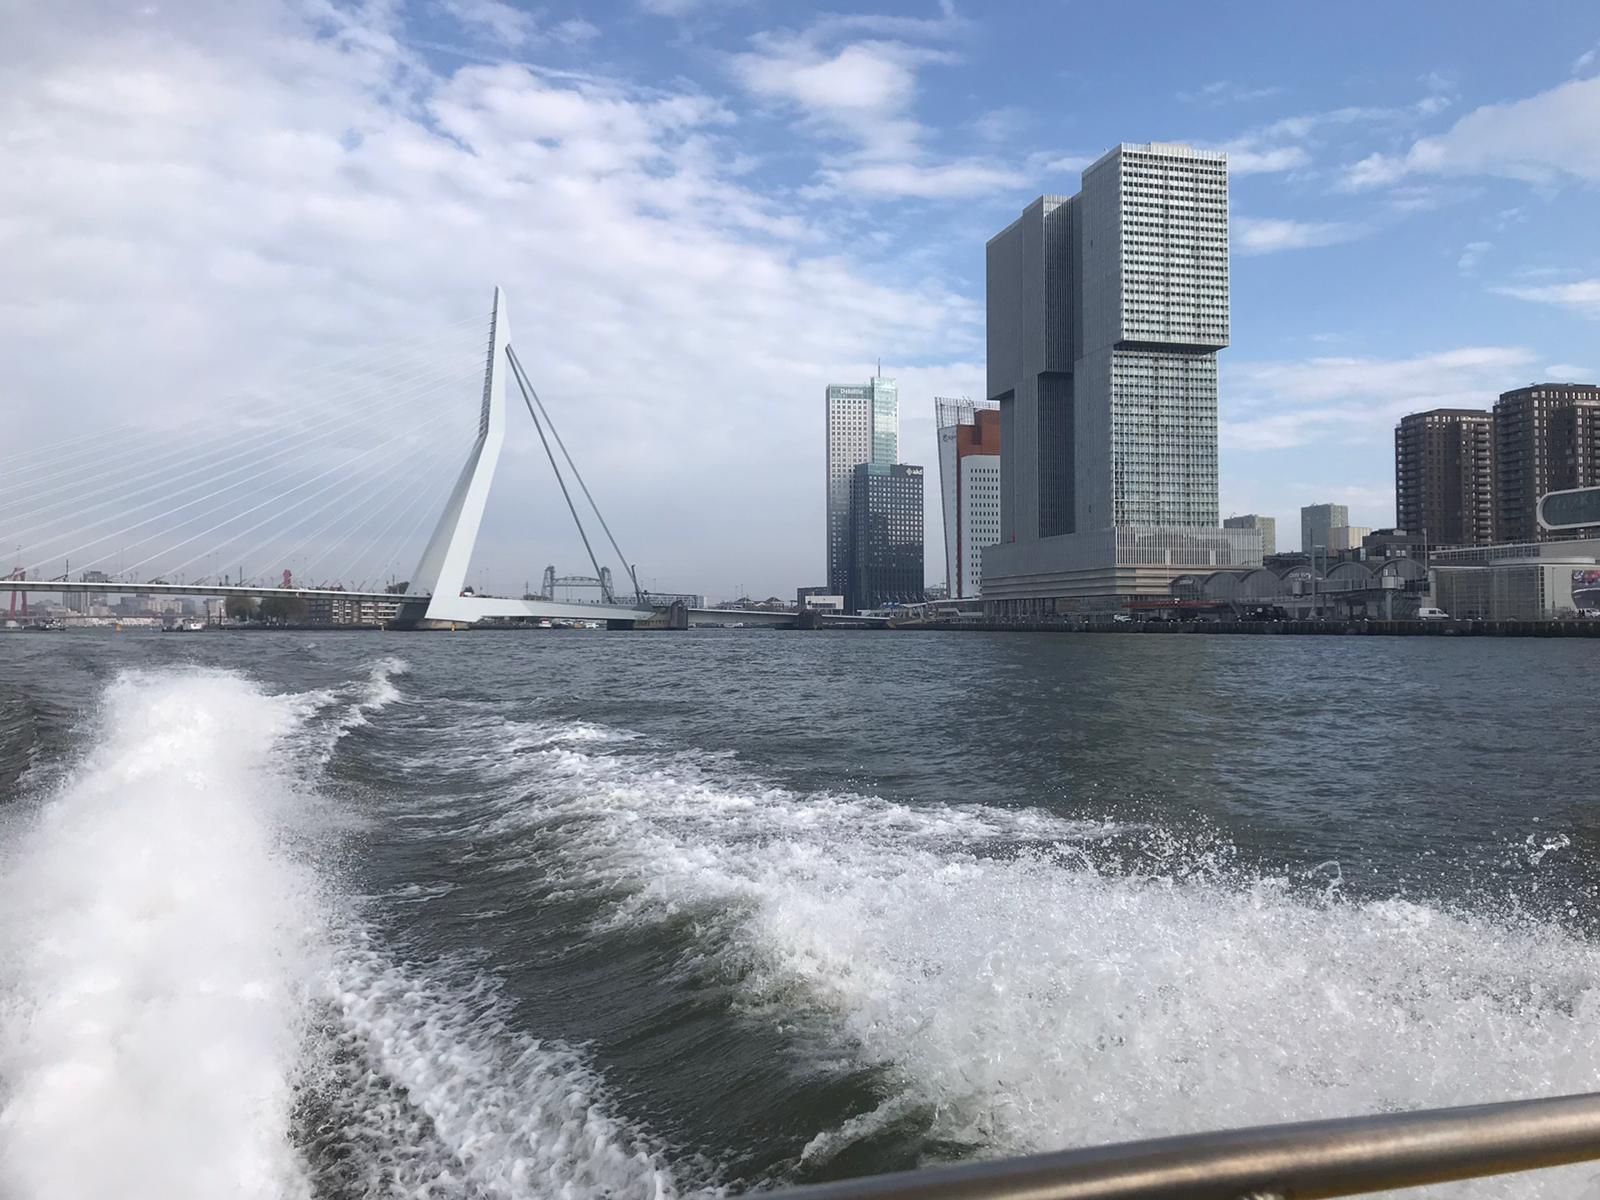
(885, 536)
(863, 426)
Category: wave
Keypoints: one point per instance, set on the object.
(1026, 982)
(189, 1007)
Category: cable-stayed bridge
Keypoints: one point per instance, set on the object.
(327, 491)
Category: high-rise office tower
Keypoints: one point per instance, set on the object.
(1266, 526)
(969, 489)
(863, 426)
(1317, 521)
(1105, 314)
(1444, 476)
(1546, 439)
(886, 557)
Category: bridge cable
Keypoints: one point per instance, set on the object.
(129, 439)
(341, 466)
(289, 442)
(331, 486)
(210, 496)
(528, 389)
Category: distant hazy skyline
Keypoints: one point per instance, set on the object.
(705, 212)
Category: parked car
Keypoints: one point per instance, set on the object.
(1432, 614)
(1122, 617)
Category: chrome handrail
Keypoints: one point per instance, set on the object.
(1344, 1157)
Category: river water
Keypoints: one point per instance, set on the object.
(642, 915)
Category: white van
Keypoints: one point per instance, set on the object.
(1432, 614)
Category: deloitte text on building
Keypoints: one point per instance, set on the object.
(1105, 314)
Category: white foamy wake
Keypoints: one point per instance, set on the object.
(1052, 995)
(430, 1092)
(187, 1010)
(153, 958)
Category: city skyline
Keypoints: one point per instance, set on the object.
(783, 197)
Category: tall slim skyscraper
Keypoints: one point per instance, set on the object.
(969, 489)
(1105, 314)
(1546, 439)
(1317, 521)
(1444, 476)
(863, 426)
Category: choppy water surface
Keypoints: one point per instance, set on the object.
(636, 916)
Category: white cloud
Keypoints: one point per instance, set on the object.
(1546, 138)
(503, 22)
(999, 124)
(1586, 61)
(1567, 373)
(1074, 164)
(190, 209)
(1286, 144)
(1581, 296)
(1244, 159)
(1277, 405)
(859, 98)
(1471, 255)
(1223, 91)
(968, 177)
(1268, 235)
(574, 30)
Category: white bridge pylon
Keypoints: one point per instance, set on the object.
(442, 571)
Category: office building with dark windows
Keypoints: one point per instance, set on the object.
(886, 563)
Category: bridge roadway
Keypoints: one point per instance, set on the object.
(471, 609)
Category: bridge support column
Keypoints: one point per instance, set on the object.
(674, 616)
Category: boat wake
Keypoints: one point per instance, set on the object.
(194, 1004)
(1028, 983)
(189, 1008)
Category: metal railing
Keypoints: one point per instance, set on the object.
(1345, 1157)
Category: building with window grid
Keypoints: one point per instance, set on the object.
(1546, 439)
(969, 489)
(1444, 476)
(1266, 526)
(1105, 314)
(886, 565)
(863, 426)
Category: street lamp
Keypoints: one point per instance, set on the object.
(1316, 600)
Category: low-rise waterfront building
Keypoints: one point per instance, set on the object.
(1521, 581)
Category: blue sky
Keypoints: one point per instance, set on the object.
(705, 210)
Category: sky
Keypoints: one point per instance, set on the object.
(704, 211)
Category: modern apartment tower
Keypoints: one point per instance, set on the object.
(1444, 476)
(1106, 311)
(886, 558)
(1266, 526)
(863, 426)
(969, 489)
(1317, 522)
(1546, 439)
